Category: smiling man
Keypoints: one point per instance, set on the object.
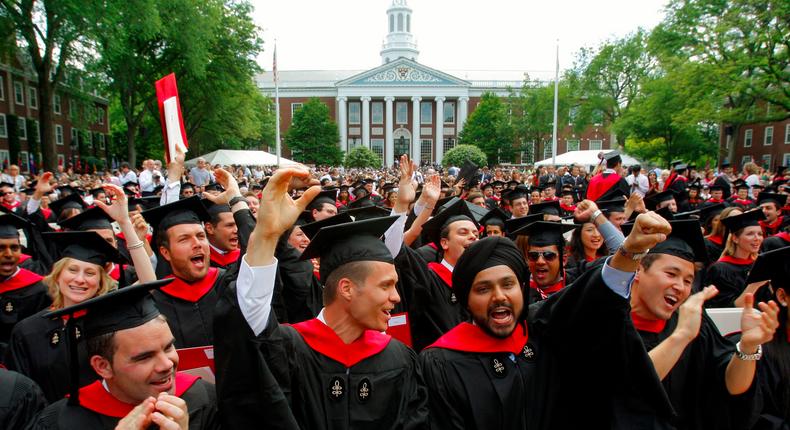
(132, 350)
(223, 235)
(708, 379)
(338, 370)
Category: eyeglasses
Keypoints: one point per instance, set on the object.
(549, 256)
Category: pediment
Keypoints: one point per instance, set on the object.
(403, 72)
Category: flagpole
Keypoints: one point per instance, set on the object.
(276, 103)
(556, 97)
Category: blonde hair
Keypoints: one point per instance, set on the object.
(106, 283)
(730, 246)
(751, 168)
(720, 229)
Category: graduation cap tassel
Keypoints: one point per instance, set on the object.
(74, 369)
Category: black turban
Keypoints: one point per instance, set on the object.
(483, 254)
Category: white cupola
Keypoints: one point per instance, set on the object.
(399, 41)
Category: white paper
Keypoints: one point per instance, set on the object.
(173, 127)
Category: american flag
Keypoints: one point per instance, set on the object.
(274, 63)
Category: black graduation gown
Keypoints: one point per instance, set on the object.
(200, 398)
(581, 355)
(713, 249)
(775, 242)
(20, 400)
(775, 411)
(21, 296)
(723, 182)
(779, 225)
(302, 291)
(729, 276)
(432, 306)
(381, 391)
(38, 349)
(189, 308)
(696, 384)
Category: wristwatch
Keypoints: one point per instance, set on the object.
(235, 200)
(748, 357)
(595, 215)
(633, 256)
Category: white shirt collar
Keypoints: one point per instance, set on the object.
(449, 266)
(219, 251)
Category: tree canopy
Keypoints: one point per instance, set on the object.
(313, 135)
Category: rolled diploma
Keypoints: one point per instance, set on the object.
(173, 127)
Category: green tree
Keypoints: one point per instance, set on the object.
(361, 157)
(53, 34)
(459, 154)
(313, 135)
(609, 79)
(489, 128)
(532, 108)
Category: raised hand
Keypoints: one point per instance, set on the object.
(406, 189)
(224, 178)
(171, 413)
(757, 328)
(636, 203)
(138, 418)
(278, 211)
(140, 226)
(43, 187)
(584, 210)
(119, 210)
(690, 313)
(649, 230)
(431, 190)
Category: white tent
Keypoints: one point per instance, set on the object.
(226, 157)
(584, 158)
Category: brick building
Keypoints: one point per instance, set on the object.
(80, 118)
(765, 143)
(403, 106)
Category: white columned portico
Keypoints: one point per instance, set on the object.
(342, 122)
(415, 129)
(389, 144)
(365, 121)
(439, 129)
(463, 106)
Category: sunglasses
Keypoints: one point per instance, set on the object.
(547, 255)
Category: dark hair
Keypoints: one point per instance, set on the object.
(356, 271)
(648, 260)
(102, 345)
(162, 239)
(317, 204)
(576, 247)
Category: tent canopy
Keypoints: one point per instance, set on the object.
(227, 157)
(585, 158)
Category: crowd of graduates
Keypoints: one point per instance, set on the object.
(399, 298)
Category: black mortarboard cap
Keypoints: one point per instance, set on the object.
(495, 216)
(361, 202)
(310, 229)
(468, 172)
(715, 187)
(87, 246)
(685, 241)
(675, 162)
(91, 219)
(758, 185)
(740, 183)
(96, 191)
(549, 208)
(6, 184)
(545, 233)
(214, 209)
(779, 199)
(121, 309)
(478, 212)
(326, 196)
(340, 244)
(498, 183)
(10, 224)
(129, 192)
(304, 218)
(214, 186)
(665, 213)
(612, 158)
(514, 224)
(458, 211)
(772, 265)
(746, 219)
(664, 196)
(368, 212)
(709, 211)
(187, 185)
(71, 201)
(725, 164)
(613, 205)
(184, 211)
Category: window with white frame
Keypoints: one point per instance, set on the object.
(19, 93)
(528, 153)
(449, 143)
(572, 144)
(768, 138)
(24, 162)
(2, 88)
(401, 113)
(353, 142)
(295, 107)
(745, 159)
(101, 141)
(377, 146)
(37, 131)
(59, 134)
(787, 134)
(32, 94)
(747, 138)
(547, 153)
(426, 150)
(56, 104)
(75, 135)
(3, 128)
(596, 144)
(426, 114)
(61, 160)
(786, 159)
(377, 112)
(5, 157)
(354, 113)
(766, 161)
(21, 124)
(100, 115)
(449, 112)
